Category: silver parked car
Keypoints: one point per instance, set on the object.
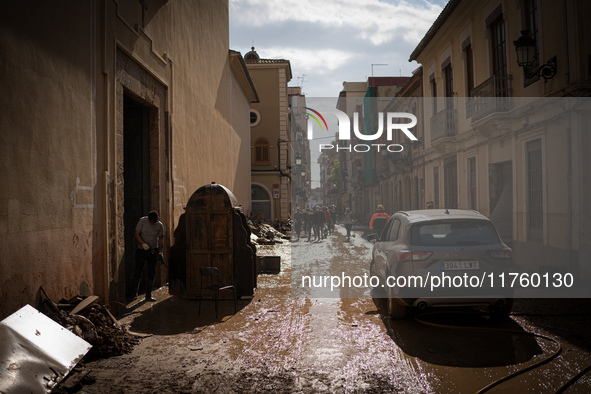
(441, 258)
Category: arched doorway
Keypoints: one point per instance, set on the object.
(261, 202)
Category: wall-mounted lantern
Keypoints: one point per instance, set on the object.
(525, 47)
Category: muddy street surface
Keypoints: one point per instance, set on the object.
(282, 340)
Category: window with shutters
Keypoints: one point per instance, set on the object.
(261, 151)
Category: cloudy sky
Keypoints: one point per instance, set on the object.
(331, 41)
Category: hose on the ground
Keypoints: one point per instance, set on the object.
(512, 375)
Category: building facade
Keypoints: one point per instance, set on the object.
(270, 135)
(496, 139)
(107, 114)
(300, 149)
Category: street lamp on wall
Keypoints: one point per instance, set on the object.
(525, 47)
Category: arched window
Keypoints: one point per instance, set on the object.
(261, 151)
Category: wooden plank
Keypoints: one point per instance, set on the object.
(88, 301)
(115, 321)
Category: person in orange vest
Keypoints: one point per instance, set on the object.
(378, 220)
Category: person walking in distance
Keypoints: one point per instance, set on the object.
(348, 222)
(378, 220)
(309, 218)
(299, 219)
(149, 233)
(328, 221)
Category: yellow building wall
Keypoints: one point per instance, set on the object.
(65, 68)
(562, 28)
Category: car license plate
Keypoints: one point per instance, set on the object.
(459, 265)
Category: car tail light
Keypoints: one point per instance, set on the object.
(504, 253)
(409, 255)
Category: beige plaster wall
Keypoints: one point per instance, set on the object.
(240, 112)
(266, 81)
(61, 139)
(47, 150)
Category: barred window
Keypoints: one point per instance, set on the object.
(434, 94)
(469, 69)
(498, 46)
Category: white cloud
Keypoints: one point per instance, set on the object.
(375, 21)
(318, 61)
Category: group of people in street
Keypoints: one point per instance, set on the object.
(320, 222)
(317, 224)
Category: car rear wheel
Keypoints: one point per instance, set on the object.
(396, 309)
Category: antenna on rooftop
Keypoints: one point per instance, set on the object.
(301, 83)
(376, 64)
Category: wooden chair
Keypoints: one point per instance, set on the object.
(214, 274)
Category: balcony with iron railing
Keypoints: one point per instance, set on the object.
(401, 158)
(444, 124)
(493, 95)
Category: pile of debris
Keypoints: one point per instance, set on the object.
(264, 234)
(92, 322)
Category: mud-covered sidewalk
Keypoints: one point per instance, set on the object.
(279, 342)
(274, 343)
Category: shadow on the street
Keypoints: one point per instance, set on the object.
(176, 315)
(567, 318)
(460, 339)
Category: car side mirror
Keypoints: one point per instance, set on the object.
(373, 237)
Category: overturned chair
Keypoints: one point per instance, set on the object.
(213, 275)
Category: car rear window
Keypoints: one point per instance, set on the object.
(454, 233)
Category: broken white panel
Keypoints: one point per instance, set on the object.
(36, 353)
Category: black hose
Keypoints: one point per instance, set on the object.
(514, 374)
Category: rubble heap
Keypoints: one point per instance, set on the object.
(94, 323)
(264, 234)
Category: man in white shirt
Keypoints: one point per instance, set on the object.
(149, 233)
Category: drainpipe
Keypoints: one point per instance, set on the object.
(567, 66)
(106, 129)
(569, 185)
(569, 220)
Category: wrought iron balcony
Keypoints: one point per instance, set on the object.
(493, 95)
(444, 124)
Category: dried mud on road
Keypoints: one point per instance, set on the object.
(279, 342)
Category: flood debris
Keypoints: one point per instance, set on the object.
(268, 264)
(37, 353)
(91, 321)
(265, 234)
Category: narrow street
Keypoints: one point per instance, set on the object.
(280, 341)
